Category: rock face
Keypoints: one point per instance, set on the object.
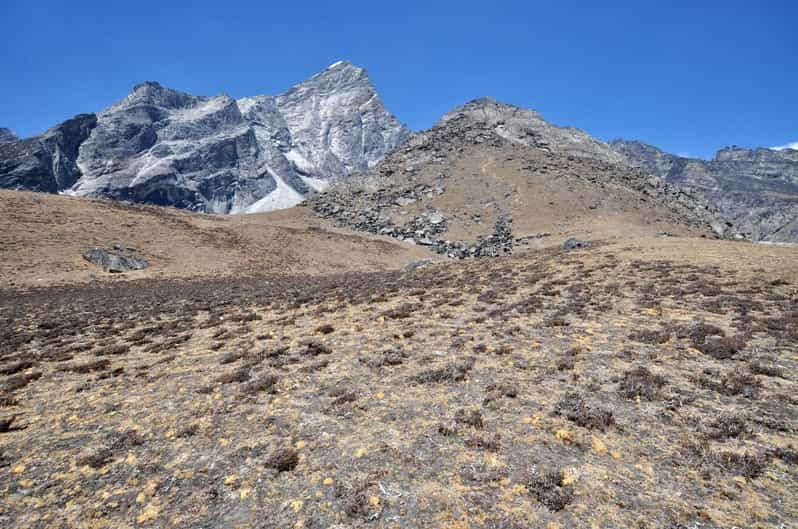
(7, 135)
(213, 154)
(754, 190)
(47, 162)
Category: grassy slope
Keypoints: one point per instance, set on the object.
(644, 383)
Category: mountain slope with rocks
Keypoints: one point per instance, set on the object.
(754, 189)
(212, 154)
(490, 176)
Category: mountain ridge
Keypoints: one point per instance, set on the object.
(214, 154)
(7, 135)
(756, 190)
(220, 154)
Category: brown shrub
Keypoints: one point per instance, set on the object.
(453, 372)
(640, 382)
(549, 488)
(574, 408)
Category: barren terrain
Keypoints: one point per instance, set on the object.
(42, 238)
(644, 382)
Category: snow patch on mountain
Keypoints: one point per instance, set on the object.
(284, 196)
(793, 145)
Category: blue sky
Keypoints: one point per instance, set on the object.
(690, 77)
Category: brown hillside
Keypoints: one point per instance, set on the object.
(42, 238)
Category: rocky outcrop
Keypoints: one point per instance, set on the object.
(47, 162)
(754, 190)
(576, 244)
(213, 154)
(120, 259)
(7, 135)
(527, 127)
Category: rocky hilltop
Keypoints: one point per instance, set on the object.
(490, 176)
(212, 154)
(527, 127)
(754, 189)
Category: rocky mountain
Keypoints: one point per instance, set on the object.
(490, 176)
(527, 127)
(212, 154)
(754, 189)
(47, 162)
(7, 135)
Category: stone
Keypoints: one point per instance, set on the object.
(575, 244)
(404, 201)
(415, 265)
(435, 218)
(119, 260)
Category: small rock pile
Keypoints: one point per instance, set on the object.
(576, 244)
(424, 230)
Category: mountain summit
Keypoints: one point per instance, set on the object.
(527, 127)
(214, 154)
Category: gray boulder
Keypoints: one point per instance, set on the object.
(575, 244)
(415, 265)
(117, 261)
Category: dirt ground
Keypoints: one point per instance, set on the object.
(42, 239)
(647, 383)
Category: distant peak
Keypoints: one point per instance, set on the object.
(147, 85)
(341, 68)
(153, 93)
(340, 73)
(7, 135)
(489, 110)
(482, 101)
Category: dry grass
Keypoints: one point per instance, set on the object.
(373, 400)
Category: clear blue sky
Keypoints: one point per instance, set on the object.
(689, 76)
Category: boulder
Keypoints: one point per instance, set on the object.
(575, 244)
(117, 261)
(418, 264)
